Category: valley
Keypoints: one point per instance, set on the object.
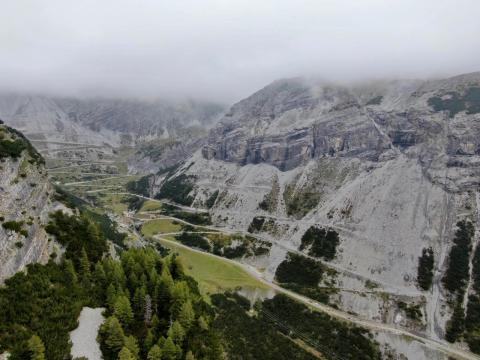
(302, 190)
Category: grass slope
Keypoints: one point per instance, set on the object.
(213, 274)
(159, 226)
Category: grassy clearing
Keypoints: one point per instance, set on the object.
(114, 203)
(160, 226)
(214, 274)
(151, 205)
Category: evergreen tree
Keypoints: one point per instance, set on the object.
(187, 315)
(170, 351)
(84, 265)
(202, 323)
(111, 296)
(456, 325)
(138, 302)
(123, 310)
(425, 269)
(149, 340)
(36, 348)
(70, 272)
(180, 294)
(99, 275)
(111, 337)
(132, 345)
(155, 353)
(125, 354)
(166, 278)
(176, 332)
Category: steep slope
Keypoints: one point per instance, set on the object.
(389, 166)
(90, 128)
(24, 204)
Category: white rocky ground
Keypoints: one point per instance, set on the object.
(84, 337)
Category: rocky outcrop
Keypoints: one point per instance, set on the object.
(25, 203)
(391, 166)
(291, 122)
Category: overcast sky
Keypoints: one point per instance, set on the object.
(225, 50)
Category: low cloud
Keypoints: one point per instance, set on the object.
(224, 50)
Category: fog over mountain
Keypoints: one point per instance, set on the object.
(225, 50)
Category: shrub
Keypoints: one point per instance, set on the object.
(140, 186)
(12, 148)
(177, 189)
(256, 224)
(412, 311)
(323, 243)
(77, 233)
(194, 240)
(211, 199)
(299, 270)
(13, 225)
(455, 103)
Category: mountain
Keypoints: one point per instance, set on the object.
(25, 202)
(102, 125)
(388, 170)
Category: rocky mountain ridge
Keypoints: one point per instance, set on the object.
(391, 166)
(25, 202)
(96, 127)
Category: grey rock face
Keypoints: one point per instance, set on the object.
(107, 123)
(291, 122)
(24, 198)
(392, 166)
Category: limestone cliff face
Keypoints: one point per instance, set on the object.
(290, 122)
(25, 202)
(391, 166)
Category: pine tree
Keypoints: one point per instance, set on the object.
(155, 353)
(84, 265)
(456, 325)
(111, 335)
(138, 302)
(123, 310)
(180, 294)
(100, 276)
(166, 278)
(187, 315)
(70, 272)
(125, 354)
(425, 269)
(170, 351)
(36, 348)
(111, 296)
(149, 340)
(176, 332)
(132, 345)
(202, 323)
